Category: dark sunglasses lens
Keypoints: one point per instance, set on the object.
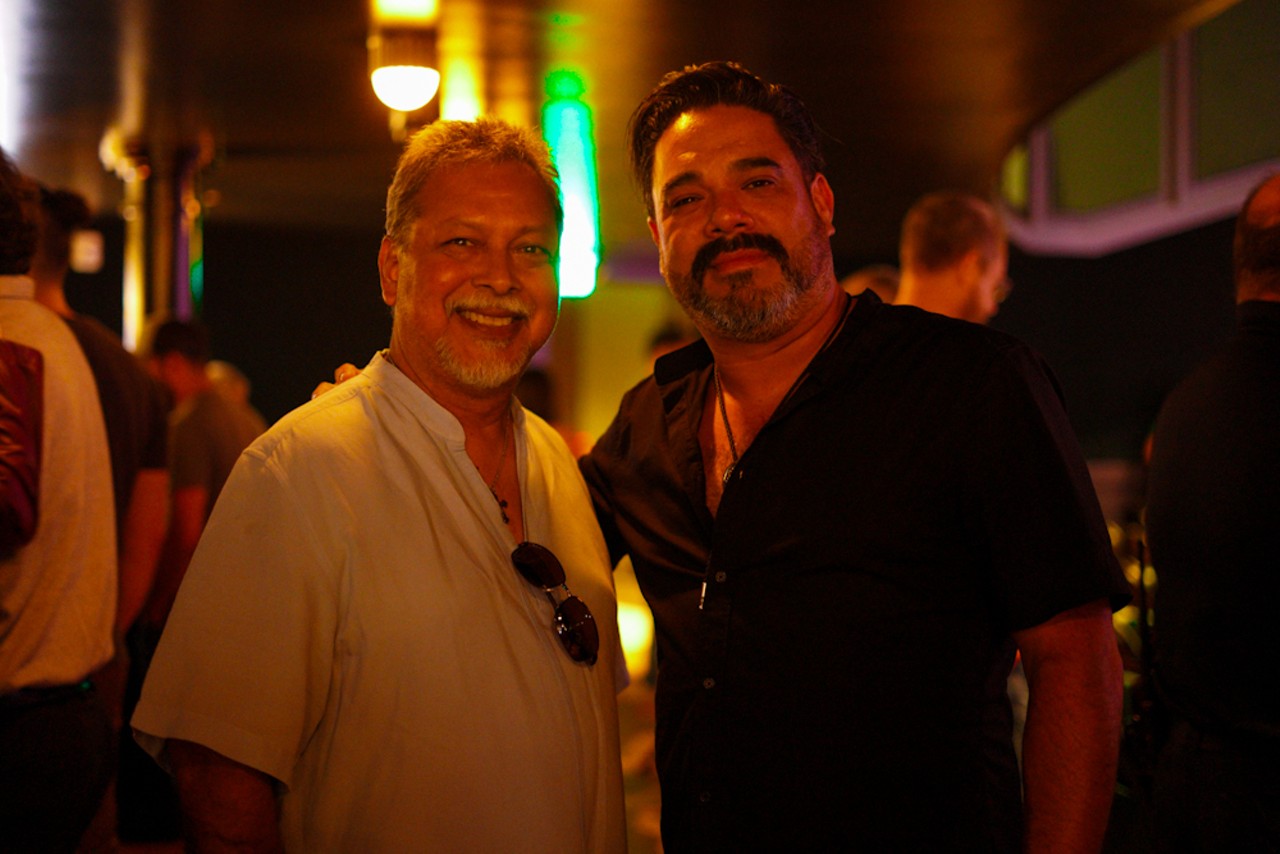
(538, 565)
(577, 630)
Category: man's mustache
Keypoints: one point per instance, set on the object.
(764, 242)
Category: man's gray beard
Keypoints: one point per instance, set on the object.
(485, 375)
(747, 315)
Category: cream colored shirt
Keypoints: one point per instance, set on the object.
(352, 625)
(58, 592)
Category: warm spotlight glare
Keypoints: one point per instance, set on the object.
(460, 95)
(635, 628)
(12, 58)
(405, 87)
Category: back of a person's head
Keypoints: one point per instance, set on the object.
(188, 339)
(942, 227)
(719, 84)
(1256, 247)
(880, 279)
(62, 213)
(443, 144)
(17, 219)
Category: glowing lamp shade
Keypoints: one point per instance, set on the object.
(405, 87)
(402, 66)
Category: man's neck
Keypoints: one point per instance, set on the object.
(51, 296)
(938, 293)
(479, 413)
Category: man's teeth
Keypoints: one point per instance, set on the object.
(486, 319)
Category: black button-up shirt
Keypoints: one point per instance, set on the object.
(833, 645)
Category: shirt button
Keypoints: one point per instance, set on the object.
(708, 683)
(704, 797)
(720, 576)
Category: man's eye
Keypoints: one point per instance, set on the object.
(534, 249)
(458, 241)
(680, 201)
(759, 182)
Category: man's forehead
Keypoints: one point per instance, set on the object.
(709, 130)
(462, 190)
(734, 136)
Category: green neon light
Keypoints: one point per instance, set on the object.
(197, 284)
(568, 129)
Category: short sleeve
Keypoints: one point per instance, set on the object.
(246, 658)
(1029, 497)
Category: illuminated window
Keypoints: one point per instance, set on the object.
(1174, 140)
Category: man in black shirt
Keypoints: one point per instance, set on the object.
(1213, 520)
(846, 517)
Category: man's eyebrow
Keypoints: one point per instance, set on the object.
(678, 181)
(748, 163)
(745, 164)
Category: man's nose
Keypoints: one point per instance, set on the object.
(728, 214)
(496, 271)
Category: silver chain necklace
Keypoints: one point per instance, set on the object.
(728, 431)
(724, 415)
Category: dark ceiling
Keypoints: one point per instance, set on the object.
(912, 94)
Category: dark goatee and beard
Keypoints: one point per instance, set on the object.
(751, 312)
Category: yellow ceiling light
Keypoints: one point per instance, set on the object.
(402, 53)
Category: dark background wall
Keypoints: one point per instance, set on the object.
(1121, 330)
(284, 306)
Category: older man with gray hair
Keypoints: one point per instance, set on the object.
(369, 651)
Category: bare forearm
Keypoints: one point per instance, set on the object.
(186, 523)
(1072, 737)
(144, 533)
(226, 806)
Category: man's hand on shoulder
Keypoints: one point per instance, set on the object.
(344, 372)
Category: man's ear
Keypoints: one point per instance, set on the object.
(389, 270)
(971, 267)
(824, 201)
(653, 232)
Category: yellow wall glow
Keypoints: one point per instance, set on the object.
(405, 11)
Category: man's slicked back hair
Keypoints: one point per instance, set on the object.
(716, 84)
(453, 143)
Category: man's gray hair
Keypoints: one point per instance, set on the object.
(451, 143)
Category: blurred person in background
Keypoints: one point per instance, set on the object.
(954, 257)
(57, 592)
(1213, 524)
(135, 410)
(881, 278)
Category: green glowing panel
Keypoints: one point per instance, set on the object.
(1015, 178)
(197, 284)
(567, 127)
(1106, 143)
(1237, 88)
